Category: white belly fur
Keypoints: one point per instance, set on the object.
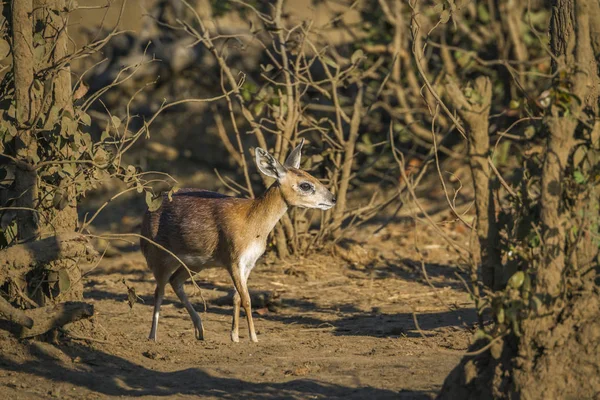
(249, 257)
(195, 262)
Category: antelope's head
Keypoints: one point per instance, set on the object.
(298, 187)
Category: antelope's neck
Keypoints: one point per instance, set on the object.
(268, 209)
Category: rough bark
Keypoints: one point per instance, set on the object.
(475, 114)
(50, 12)
(557, 343)
(572, 28)
(46, 259)
(45, 251)
(25, 145)
(567, 368)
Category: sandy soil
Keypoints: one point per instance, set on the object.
(331, 329)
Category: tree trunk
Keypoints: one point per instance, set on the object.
(555, 344)
(573, 25)
(554, 356)
(349, 148)
(55, 21)
(27, 109)
(476, 116)
(42, 83)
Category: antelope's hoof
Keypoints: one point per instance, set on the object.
(199, 333)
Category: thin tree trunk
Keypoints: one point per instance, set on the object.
(26, 145)
(349, 148)
(476, 117)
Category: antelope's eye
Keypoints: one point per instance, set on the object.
(306, 187)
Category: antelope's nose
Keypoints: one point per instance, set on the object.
(333, 199)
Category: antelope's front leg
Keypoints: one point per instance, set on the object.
(239, 282)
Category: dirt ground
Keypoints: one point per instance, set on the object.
(331, 329)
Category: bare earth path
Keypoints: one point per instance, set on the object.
(335, 330)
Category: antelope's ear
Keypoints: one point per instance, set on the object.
(268, 165)
(293, 160)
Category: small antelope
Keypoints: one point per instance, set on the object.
(207, 229)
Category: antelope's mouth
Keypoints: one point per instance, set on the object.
(325, 206)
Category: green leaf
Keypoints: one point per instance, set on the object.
(515, 327)
(116, 121)
(106, 134)
(527, 283)
(12, 111)
(516, 280)
(68, 126)
(330, 62)
(480, 334)
(64, 281)
(267, 67)
(247, 90)
(53, 114)
(529, 132)
(246, 95)
(39, 52)
(536, 304)
(445, 16)
(152, 202)
(357, 56)
(86, 140)
(500, 315)
(100, 155)
(87, 120)
(38, 39)
(69, 169)
(12, 130)
(129, 174)
(60, 199)
(258, 108)
(579, 177)
(482, 13)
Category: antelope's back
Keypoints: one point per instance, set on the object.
(188, 224)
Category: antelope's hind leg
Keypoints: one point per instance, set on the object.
(159, 294)
(177, 281)
(235, 324)
(161, 275)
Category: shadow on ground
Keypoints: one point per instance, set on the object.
(351, 321)
(111, 375)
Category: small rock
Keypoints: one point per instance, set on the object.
(151, 354)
